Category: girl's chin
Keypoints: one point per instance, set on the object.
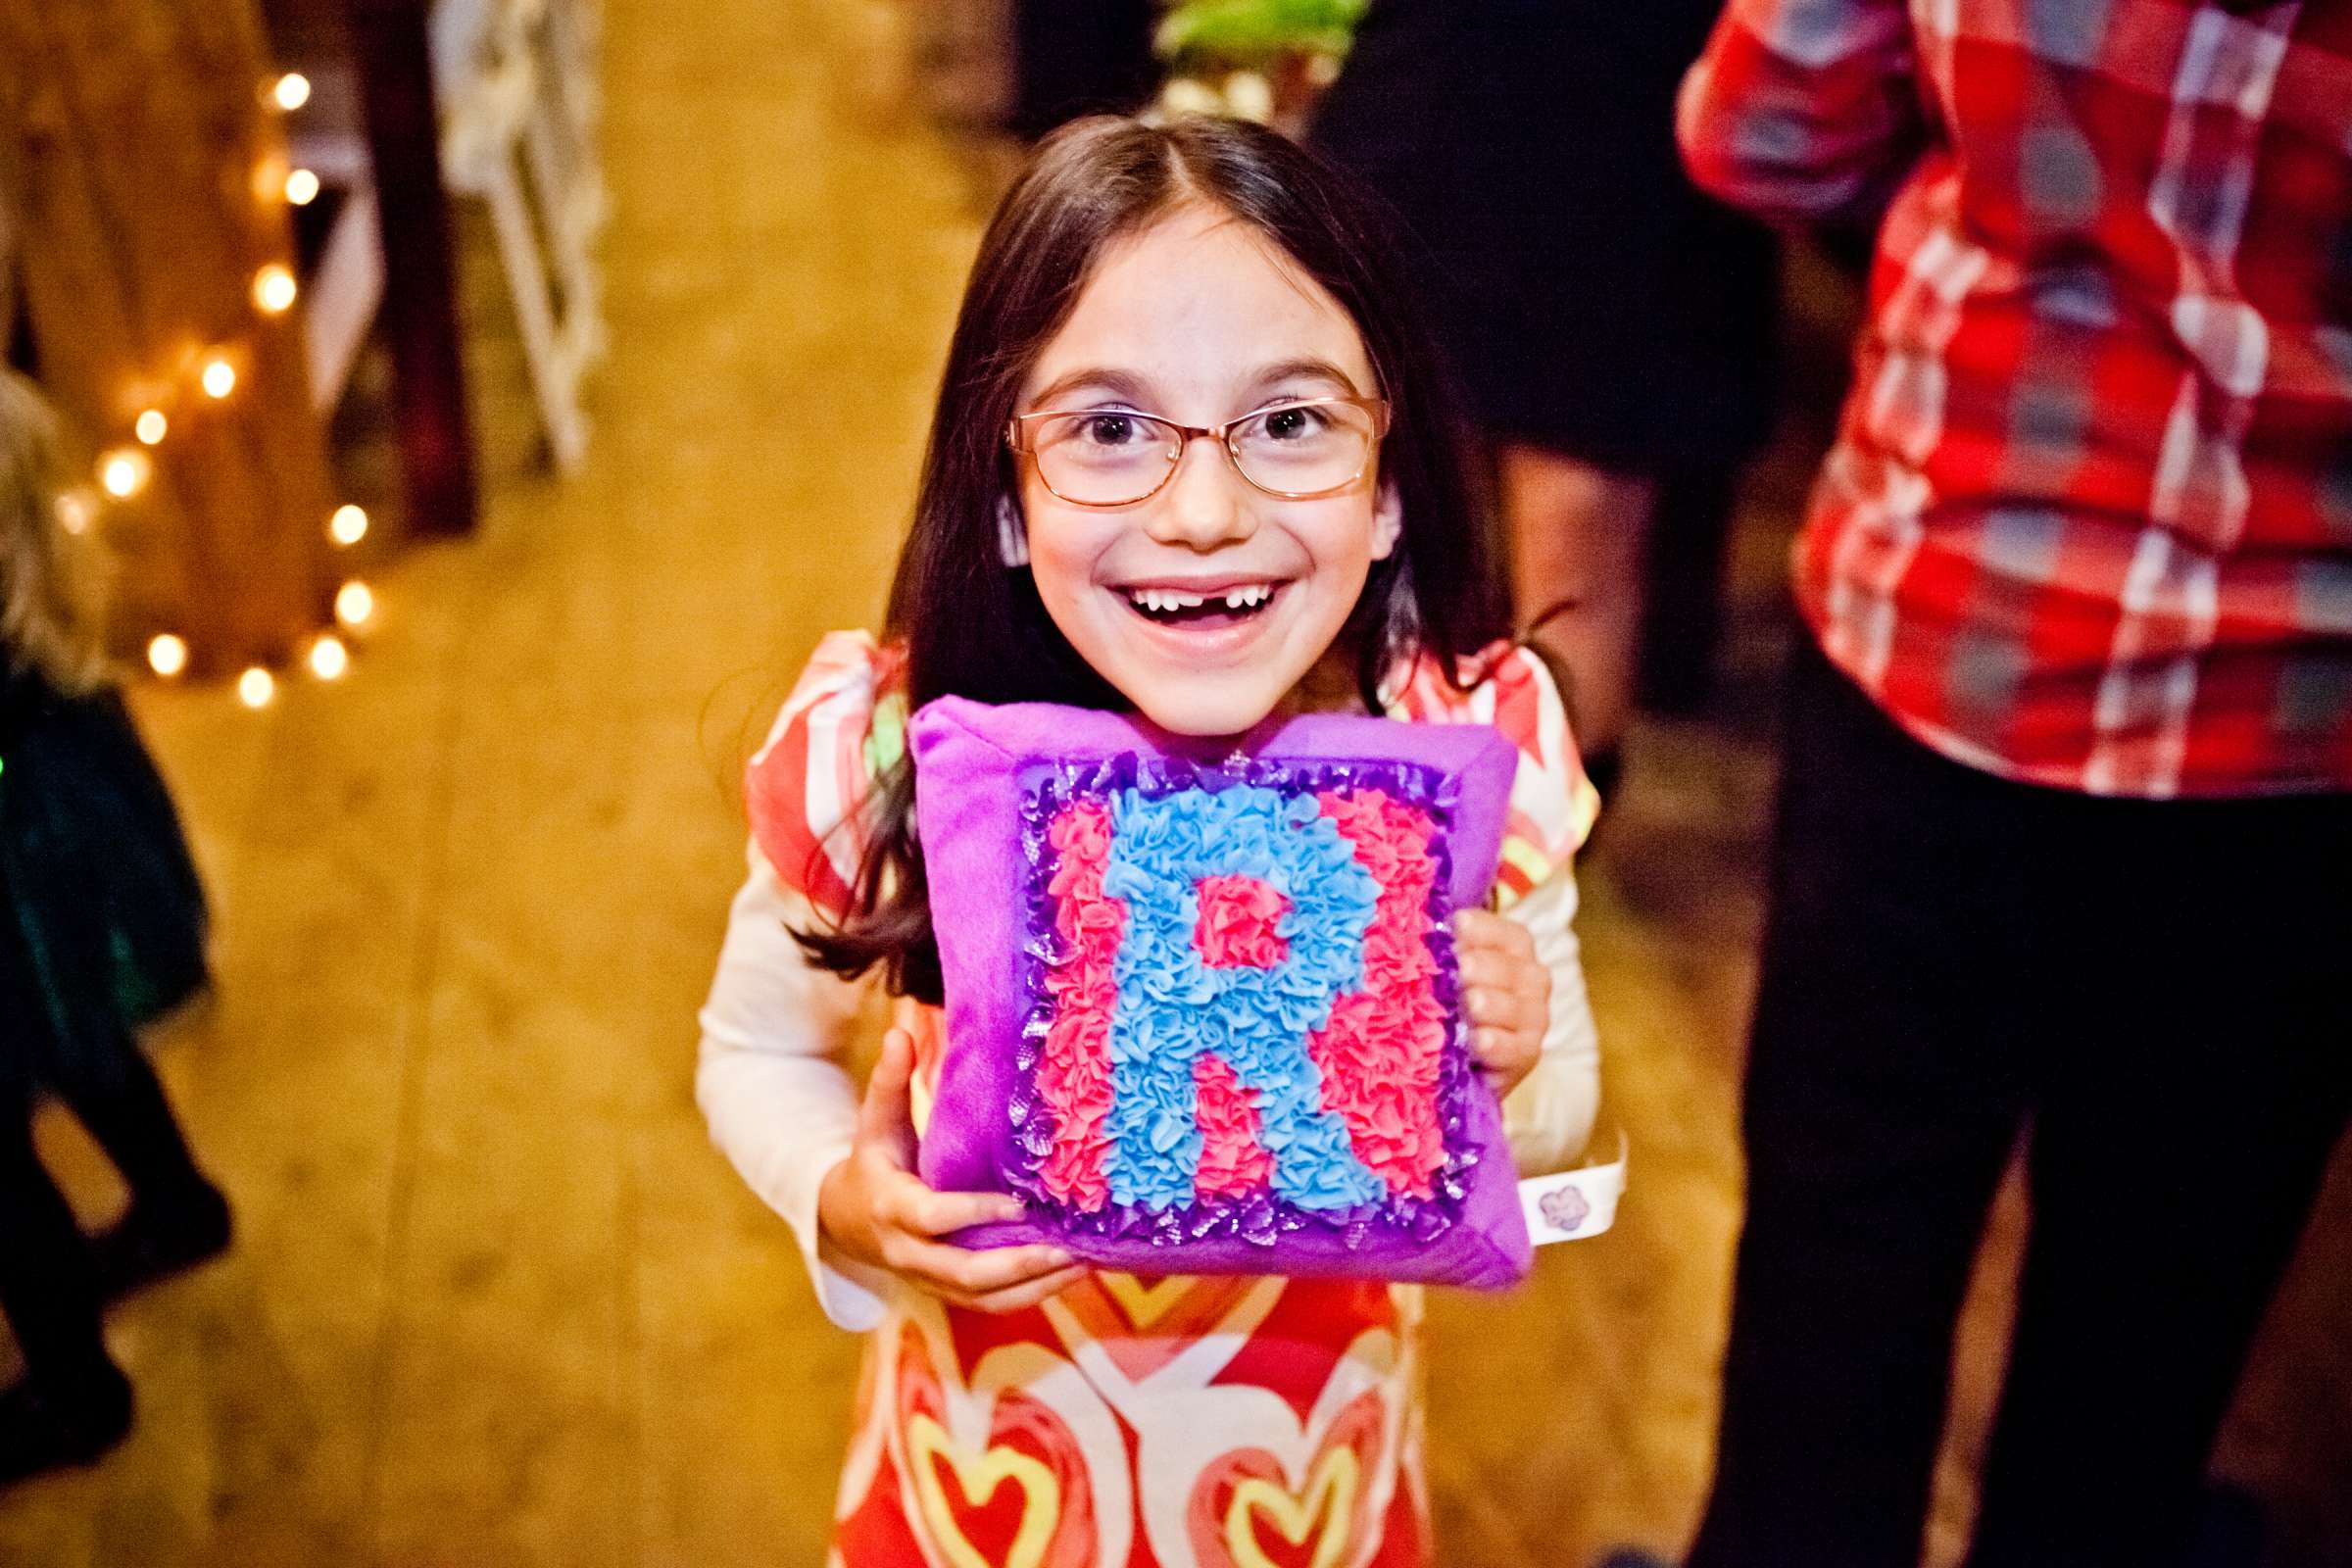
(1223, 716)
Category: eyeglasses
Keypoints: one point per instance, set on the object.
(1116, 457)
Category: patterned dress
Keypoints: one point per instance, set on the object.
(1131, 1421)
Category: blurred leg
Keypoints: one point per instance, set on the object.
(1882, 1103)
(1580, 537)
(71, 1403)
(176, 1216)
(112, 1091)
(45, 1284)
(2201, 1085)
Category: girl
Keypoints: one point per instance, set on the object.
(1193, 458)
(101, 930)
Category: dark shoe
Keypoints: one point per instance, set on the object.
(154, 1241)
(48, 1425)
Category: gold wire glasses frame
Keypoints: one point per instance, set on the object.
(1022, 434)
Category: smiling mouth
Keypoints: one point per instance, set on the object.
(1227, 606)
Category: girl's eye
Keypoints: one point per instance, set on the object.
(1112, 430)
(1298, 423)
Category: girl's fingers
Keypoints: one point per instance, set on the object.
(1478, 930)
(1503, 972)
(1015, 1298)
(886, 1116)
(1483, 966)
(1491, 1008)
(959, 1274)
(929, 1213)
(1006, 1268)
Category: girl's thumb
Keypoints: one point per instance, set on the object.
(887, 1113)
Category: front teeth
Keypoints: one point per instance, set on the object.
(1168, 600)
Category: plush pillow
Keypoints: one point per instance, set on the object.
(1202, 1007)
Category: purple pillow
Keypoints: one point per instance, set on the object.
(1202, 1005)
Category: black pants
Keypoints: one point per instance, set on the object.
(2156, 992)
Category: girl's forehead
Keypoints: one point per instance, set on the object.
(1201, 304)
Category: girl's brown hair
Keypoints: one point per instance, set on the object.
(972, 627)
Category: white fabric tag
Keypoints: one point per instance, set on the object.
(1571, 1204)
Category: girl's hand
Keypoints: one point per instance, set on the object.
(1506, 993)
(875, 1210)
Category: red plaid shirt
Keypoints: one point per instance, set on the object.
(2089, 520)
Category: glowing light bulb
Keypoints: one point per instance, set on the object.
(355, 602)
(329, 659)
(274, 289)
(256, 687)
(292, 90)
(166, 654)
(150, 426)
(348, 526)
(124, 473)
(77, 509)
(219, 377)
(302, 187)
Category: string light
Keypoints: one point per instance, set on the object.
(274, 289)
(74, 511)
(124, 473)
(355, 602)
(329, 659)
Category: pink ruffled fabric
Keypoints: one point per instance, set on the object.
(1235, 928)
(1073, 1072)
(1232, 1159)
(1381, 1053)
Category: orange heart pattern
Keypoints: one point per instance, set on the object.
(1012, 1494)
(990, 1446)
(1246, 1512)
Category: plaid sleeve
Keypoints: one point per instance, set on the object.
(804, 788)
(1803, 108)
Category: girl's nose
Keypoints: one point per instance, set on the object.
(1205, 504)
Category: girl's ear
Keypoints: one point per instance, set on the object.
(1012, 538)
(1387, 520)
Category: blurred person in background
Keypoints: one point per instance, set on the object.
(1080, 57)
(2067, 810)
(1615, 328)
(102, 926)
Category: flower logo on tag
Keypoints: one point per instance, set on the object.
(1565, 1209)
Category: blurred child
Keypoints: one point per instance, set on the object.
(101, 929)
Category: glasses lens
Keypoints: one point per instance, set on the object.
(1103, 458)
(1304, 447)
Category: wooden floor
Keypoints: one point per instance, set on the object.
(495, 1301)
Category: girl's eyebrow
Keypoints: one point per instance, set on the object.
(1118, 383)
(1135, 389)
(1308, 368)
